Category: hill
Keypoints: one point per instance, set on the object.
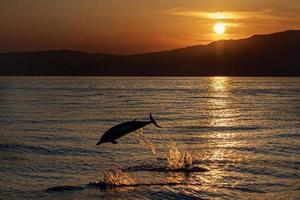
(274, 54)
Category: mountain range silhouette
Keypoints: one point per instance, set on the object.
(276, 54)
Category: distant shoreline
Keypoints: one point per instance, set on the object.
(273, 55)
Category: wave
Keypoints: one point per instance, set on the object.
(151, 168)
(46, 150)
(288, 135)
(104, 186)
(225, 128)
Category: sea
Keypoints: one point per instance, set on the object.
(221, 138)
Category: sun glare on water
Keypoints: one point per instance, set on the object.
(220, 28)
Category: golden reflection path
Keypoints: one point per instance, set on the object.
(221, 116)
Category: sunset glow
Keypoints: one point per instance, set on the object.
(161, 99)
(137, 26)
(219, 28)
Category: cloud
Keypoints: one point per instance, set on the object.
(264, 15)
(204, 15)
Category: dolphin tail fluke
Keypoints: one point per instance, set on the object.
(153, 121)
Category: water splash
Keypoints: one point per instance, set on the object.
(178, 159)
(114, 176)
(143, 140)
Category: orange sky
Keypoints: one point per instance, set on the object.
(135, 26)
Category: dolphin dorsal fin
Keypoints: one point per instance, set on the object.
(134, 120)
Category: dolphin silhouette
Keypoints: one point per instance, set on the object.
(114, 133)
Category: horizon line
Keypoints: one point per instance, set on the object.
(150, 52)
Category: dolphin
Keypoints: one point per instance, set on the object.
(114, 133)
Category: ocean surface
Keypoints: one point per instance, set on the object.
(245, 133)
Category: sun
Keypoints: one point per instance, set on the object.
(219, 28)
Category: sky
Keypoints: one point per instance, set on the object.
(137, 26)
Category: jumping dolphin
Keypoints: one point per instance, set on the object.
(122, 129)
